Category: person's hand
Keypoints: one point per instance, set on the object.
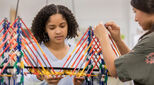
(114, 30)
(40, 77)
(52, 81)
(101, 32)
(78, 80)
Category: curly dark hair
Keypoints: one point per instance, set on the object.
(39, 22)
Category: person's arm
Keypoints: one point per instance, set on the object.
(108, 53)
(115, 34)
(122, 47)
(109, 56)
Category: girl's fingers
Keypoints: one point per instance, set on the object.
(52, 80)
(78, 80)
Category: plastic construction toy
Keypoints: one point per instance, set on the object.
(18, 53)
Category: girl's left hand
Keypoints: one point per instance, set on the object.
(78, 80)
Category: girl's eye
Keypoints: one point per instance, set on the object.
(62, 25)
(52, 27)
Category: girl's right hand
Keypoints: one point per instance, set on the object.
(41, 78)
(114, 30)
(52, 81)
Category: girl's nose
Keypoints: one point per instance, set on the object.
(58, 30)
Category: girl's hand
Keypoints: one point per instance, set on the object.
(40, 77)
(52, 81)
(114, 30)
(78, 80)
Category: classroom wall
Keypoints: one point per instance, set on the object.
(87, 12)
